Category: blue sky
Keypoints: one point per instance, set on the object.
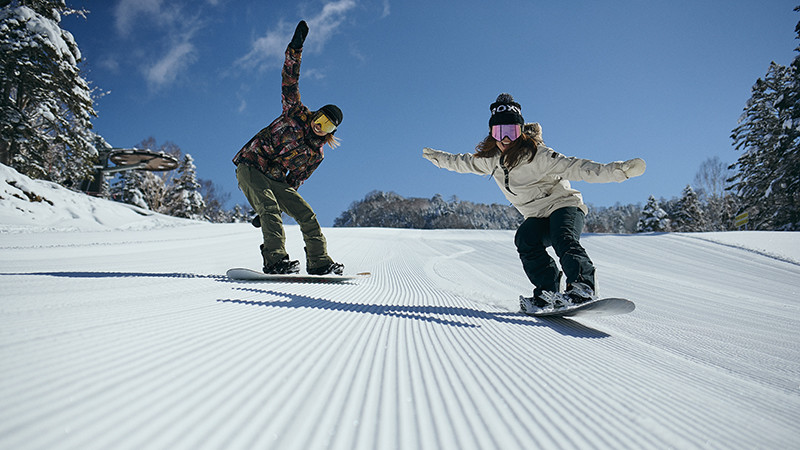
(612, 80)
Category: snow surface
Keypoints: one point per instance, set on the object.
(119, 330)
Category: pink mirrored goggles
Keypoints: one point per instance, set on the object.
(499, 132)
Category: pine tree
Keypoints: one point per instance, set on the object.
(688, 216)
(240, 214)
(185, 200)
(731, 206)
(45, 104)
(653, 218)
(615, 219)
(768, 177)
(128, 189)
(154, 190)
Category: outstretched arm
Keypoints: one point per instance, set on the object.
(290, 75)
(463, 163)
(577, 169)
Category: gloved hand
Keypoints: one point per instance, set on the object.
(429, 154)
(300, 34)
(633, 167)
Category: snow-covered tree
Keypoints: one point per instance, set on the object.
(154, 189)
(711, 178)
(45, 103)
(688, 215)
(653, 218)
(388, 209)
(614, 219)
(768, 177)
(215, 199)
(731, 207)
(184, 198)
(711, 183)
(128, 189)
(241, 214)
(156, 185)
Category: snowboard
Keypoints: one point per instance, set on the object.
(242, 274)
(600, 307)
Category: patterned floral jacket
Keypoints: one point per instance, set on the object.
(287, 150)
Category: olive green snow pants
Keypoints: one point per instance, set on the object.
(269, 198)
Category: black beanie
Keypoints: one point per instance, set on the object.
(332, 112)
(505, 111)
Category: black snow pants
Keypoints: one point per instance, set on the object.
(562, 230)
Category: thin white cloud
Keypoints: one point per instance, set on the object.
(128, 11)
(357, 54)
(386, 9)
(166, 70)
(267, 51)
(110, 63)
(179, 28)
(313, 73)
(326, 23)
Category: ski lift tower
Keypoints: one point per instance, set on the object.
(125, 159)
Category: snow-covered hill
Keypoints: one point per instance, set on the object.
(129, 336)
(35, 205)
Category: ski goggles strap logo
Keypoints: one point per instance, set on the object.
(325, 123)
(499, 132)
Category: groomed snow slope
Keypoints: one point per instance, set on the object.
(134, 339)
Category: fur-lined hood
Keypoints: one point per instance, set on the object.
(534, 130)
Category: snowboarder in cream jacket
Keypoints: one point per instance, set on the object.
(534, 178)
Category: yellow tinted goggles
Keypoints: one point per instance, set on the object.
(325, 124)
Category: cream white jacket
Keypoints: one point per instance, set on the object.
(541, 186)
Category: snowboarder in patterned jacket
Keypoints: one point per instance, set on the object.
(276, 161)
(534, 178)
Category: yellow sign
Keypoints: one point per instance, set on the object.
(741, 219)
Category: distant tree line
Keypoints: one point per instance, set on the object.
(390, 210)
(692, 212)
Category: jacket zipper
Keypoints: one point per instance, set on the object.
(505, 172)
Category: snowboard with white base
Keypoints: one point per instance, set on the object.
(597, 307)
(243, 274)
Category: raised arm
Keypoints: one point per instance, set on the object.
(290, 75)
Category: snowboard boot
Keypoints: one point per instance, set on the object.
(283, 267)
(540, 300)
(332, 268)
(579, 292)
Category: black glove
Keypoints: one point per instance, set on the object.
(300, 34)
(256, 222)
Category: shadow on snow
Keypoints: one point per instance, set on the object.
(444, 315)
(433, 314)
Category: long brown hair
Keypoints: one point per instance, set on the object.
(523, 146)
(331, 140)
